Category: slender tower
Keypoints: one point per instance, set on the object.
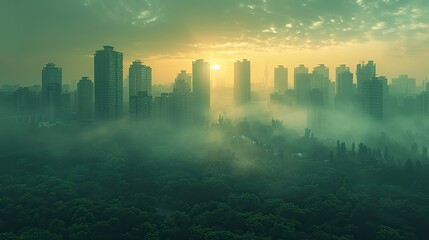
(108, 79)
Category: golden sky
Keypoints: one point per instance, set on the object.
(169, 34)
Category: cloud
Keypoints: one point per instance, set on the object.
(307, 23)
(168, 27)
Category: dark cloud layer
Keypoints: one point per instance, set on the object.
(34, 32)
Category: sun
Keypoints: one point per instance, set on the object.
(216, 67)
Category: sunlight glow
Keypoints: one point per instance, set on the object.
(216, 67)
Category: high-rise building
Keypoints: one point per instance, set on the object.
(345, 87)
(85, 100)
(141, 106)
(163, 107)
(375, 97)
(186, 77)
(403, 86)
(182, 99)
(281, 79)
(320, 80)
(242, 82)
(423, 104)
(140, 78)
(51, 92)
(108, 82)
(302, 82)
(201, 90)
(66, 106)
(364, 72)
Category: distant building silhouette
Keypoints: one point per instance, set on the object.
(201, 90)
(163, 107)
(403, 86)
(182, 99)
(316, 101)
(242, 82)
(423, 104)
(344, 84)
(108, 82)
(51, 92)
(302, 82)
(140, 78)
(364, 72)
(375, 97)
(20, 107)
(320, 80)
(140, 91)
(7, 88)
(281, 79)
(141, 106)
(66, 106)
(186, 77)
(85, 100)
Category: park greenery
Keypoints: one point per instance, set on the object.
(241, 180)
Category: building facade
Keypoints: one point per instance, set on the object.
(51, 92)
(242, 82)
(281, 79)
(201, 90)
(108, 84)
(85, 100)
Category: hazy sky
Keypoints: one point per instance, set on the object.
(169, 34)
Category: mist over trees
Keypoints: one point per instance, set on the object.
(243, 179)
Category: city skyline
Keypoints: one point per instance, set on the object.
(268, 33)
(214, 119)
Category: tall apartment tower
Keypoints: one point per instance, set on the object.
(364, 72)
(201, 90)
(242, 82)
(302, 84)
(281, 79)
(344, 84)
(320, 81)
(141, 106)
(182, 100)
(140, 78)
(108, 82)
(186, 77)
(51, 92)
(423, 104)
(375, 97)
(85, 100)
(140, 91)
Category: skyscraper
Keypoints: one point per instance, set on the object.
(186, 77)
(201, 90)
(374, 97)
(364, 72)
(51, 92)
(163, 107)
(302, 82)
(141, 106)
(320, 80)
(242, 82)
(423, 104)
(281, 79)
(108, 79)
(85, 100)
(182, 99)
(344, 80)
(140, 78)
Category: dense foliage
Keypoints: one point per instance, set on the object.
(247, 181)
